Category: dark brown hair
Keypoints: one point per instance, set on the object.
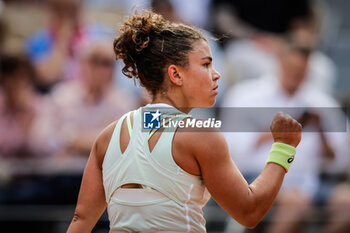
(148, 44)
(11, 64)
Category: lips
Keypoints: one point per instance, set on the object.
(216, 87)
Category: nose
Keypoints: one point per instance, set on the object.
(216, 75)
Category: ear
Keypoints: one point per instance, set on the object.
(174, 75)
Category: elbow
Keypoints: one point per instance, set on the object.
(250, 223)
(253, 213)
(250, 219)
(76, 217)
(79, 215)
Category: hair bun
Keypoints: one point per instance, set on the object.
(140, 28)
(135, 36)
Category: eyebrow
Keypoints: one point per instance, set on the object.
(207, 57)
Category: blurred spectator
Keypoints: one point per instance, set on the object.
(225, 22)
(318, 150)
(254, 55)
(82, 108)
(322, 71)
(24, 125)
(338, 209)
(2, 26)
(86, 106)
(105, 4)
(345, 103)
(166, 9)
(194, 12)
(2, 34)
(271, 16)
(54, 48)
(26, 133)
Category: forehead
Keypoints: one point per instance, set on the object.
(200, 49)
(99, 50)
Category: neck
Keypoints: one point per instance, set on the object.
(94, 94)
(173, 100)
(290, 92)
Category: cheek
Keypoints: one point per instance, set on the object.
(203, 89)
(103, 73)
(203, 75)
(198, 82)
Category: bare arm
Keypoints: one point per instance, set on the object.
(91, 201)
(51, 69)
(83, 143)
(246, 203)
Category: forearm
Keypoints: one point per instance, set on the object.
(51, 70)
(83, 142)
(263, 191)
(327, 149)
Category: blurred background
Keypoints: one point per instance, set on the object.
(60, 85)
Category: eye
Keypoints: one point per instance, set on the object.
(207, 64)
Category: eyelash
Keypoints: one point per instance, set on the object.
(207, 64)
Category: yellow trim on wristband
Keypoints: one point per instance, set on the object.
(282, 154)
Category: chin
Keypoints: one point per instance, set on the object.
(210, 103)
(205, 103)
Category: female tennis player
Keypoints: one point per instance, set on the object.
(159, 181)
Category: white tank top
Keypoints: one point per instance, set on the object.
(180, 196)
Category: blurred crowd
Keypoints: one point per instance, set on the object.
(60, 85)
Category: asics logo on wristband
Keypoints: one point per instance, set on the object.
(290, 159)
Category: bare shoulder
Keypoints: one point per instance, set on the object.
(102, 142)
(203, 141)
(195, 147)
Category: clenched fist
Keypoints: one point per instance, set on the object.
(285, 129)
